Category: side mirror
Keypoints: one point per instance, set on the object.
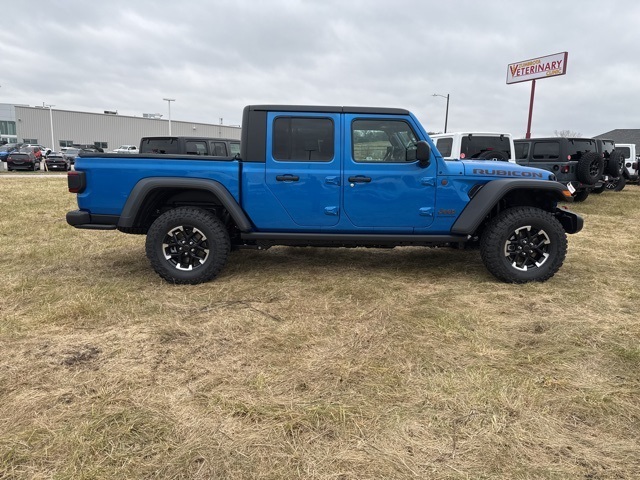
(423, 153)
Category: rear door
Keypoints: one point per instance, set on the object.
(303, 165)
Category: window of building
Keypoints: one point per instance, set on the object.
(383, 141)
(66, 143)
(297, 139)
(33, 141)
(7, 127)
(100, 144)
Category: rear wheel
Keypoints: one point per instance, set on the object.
(617, 184)
(523, 244)
(581, 196)
(187, 245)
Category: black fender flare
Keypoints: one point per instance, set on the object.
(492, 192)
(144, 187)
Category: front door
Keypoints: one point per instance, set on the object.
(384, 186)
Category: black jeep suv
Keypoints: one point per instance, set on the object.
(575, 162)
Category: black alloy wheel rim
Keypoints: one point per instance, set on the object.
(185, 248)
(612, 184)
(527, 248)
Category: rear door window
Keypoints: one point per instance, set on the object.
(626, 152)
(546, 151)
(219, 149)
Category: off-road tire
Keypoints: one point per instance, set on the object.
(494, 155)
(523, 244)
(616, 184)
(590, 168)
(615, 165)
(581, 196)
(187, 245)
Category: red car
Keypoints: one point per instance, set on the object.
(23, 161)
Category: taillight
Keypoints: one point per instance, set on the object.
(565, 169)
(76, 181)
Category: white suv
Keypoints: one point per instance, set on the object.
(475, 146)
(630, 160)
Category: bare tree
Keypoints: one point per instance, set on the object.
(567, 133)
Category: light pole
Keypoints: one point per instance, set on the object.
(169, 100)
(53, 146)
(446, 116)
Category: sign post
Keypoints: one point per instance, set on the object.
(536, 68)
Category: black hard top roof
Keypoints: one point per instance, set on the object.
(328, 109)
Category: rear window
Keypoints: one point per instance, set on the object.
(473, 146)
(159, 145)
(578, 147)
(235, 148)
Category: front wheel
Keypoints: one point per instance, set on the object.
(523, 244)
(187, 245)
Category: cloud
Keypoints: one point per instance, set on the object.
(214, 57)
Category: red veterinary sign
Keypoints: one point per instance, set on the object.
(543, 67)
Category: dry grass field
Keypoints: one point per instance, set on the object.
(314, 363)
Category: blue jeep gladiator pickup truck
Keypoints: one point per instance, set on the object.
(328, 177)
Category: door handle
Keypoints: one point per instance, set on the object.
(359, 179)
(287, 178)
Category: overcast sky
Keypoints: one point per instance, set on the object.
(214, 57)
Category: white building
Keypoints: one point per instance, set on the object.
(105, 130)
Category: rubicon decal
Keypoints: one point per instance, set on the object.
(506, 173)
(543, 67)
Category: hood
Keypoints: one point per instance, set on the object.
(493, 169)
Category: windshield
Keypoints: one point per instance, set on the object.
(72, 150)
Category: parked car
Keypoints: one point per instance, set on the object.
(574, 161)
(475, 146)
(57, 161)
(70, 154)
(88, 146)
(35, 149)
(6, 149)
(614, 166)
(126, 149)
(23, 160)
(628, 151)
